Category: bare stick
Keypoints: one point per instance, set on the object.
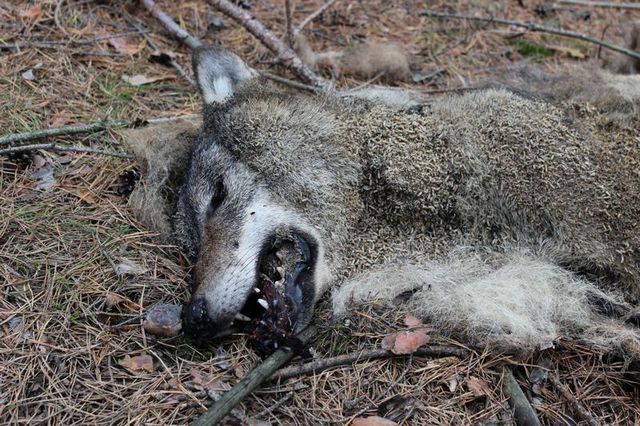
(55, 43)
(314, 15)
(171, 25)
(62, 148)
(60, 131)
(604, 4)
(172, 61)
(523, 412)
(366, 355)
(84, 128)
(577, 407)
(536, 28)
(284, 53)
(251, 381)
(288, 82)
(288, 9)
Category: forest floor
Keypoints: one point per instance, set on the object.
(77, 270)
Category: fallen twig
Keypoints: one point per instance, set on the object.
(347, 359)
(172, 61)
(604, 4)
(251, 381)
(55, 44)
(62, 148)
(273, 43)
(171, 25)
(288, 12)
(523, 412)
(288, 82)
(536, 28)
(313, 16)
(60, 131)
(575, 404)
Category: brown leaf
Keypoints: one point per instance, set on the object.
(412, 322)
(478, 386)
(389, 341)
(33, 12)
(137, 363)
(124, 46)
(163, 319)
(372, 421)
(207, 382)
(141, 79)
(129, 267)
(408, 342)
(85, 195)
(112, 299)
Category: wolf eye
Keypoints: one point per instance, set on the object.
(219, 194)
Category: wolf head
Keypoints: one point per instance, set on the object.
(257, 185)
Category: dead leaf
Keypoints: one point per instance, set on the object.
(28, 75)
(452, 383)
(206, 382)
(162, 57)
(43, 175)
(411, 321)
(85, 195)
(137, 363)
(163, 319)
(406, 342)
(129, 267)
(372, 421)
(124, 46)
(478, 386)
(141, 79)
(33, 12)
(112, 299)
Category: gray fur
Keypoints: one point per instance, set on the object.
(545, 190)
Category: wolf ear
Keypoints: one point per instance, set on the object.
(219, 73)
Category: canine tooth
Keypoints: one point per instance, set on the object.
(263, 303)
(242, 317)
(256, 290)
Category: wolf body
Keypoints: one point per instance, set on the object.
(510, 217)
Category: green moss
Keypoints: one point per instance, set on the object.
(531, 50)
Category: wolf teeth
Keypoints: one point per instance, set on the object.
(242, 317)
(256, 290)
(263, 303)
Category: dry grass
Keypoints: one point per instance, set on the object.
(67, 318)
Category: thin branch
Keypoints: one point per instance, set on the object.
(523, 412)
(62, 148)
(172, 61)
(55, 43)
(288, 9)
(365, 355)
(604, 4)
(251, 381)
(87, 128)
(60, 131)
(284, 53)
(288, 82)
(536, 28)
(314, 15)
(171, 25)
(577, 407)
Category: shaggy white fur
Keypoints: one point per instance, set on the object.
(519, 301)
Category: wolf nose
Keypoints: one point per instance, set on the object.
(195, 316)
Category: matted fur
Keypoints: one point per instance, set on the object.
(542, 184)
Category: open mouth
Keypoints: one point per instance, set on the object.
(273, 307)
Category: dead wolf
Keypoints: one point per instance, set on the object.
(508, 215)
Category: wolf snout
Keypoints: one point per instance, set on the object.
(195, 319)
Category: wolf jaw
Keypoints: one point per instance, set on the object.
(239, 234)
